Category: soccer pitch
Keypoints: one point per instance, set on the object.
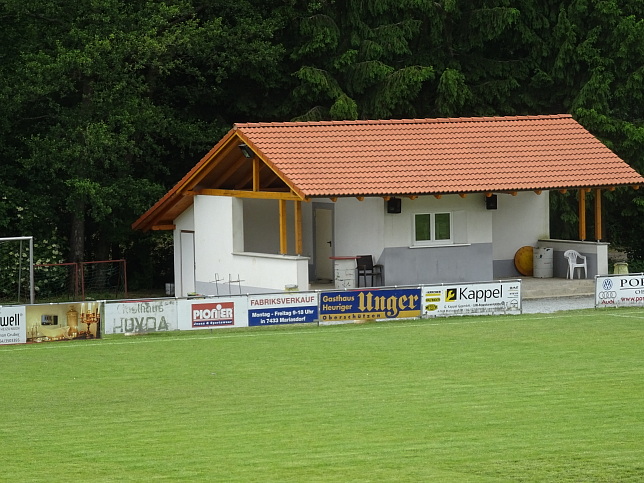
(556, 397)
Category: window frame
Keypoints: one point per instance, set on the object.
(432, 241)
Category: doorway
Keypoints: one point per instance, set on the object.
(187, 243)
(323, 233)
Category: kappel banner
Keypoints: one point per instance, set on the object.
(486, 298)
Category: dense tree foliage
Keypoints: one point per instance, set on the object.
(106, 103)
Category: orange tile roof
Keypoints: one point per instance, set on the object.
(421, 156)
(402, 157)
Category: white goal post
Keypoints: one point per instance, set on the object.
(30, 239)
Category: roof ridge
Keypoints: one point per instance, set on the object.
(400, 121)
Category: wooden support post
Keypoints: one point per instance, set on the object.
(298, 227)
(582, 214)
(256, 167)
(598, 214)
(283, 231)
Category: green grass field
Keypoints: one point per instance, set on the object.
(556, 397)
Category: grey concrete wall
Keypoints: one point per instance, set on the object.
(460, 263)
(505, 269)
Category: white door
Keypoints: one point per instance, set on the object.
(323, 243)
(187, 241)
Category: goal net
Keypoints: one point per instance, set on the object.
(99, 280)
(104, 279)
(23, 282)
(17, 270)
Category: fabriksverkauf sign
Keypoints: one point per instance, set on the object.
(370, 304)
(273, 309)
(13, 325)
(619, 290)
(485, 298)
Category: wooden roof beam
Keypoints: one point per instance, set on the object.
(205, 169)
(251, 176)
(266, 195)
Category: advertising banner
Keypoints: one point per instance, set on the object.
(141, 316)
(486, 298)
(619, 290)
(13, 325)
(297, 308)
(65, 321)
(210, 313)
(370, 304)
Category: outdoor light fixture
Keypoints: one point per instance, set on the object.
(246, 151)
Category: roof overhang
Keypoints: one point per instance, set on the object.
(224, 171)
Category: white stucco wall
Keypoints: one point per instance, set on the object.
(218, 224)
(226, 228)
(470, 216)
(519, 221)
(365, 227)
(359, 227)
(219, 232)
(185, 221)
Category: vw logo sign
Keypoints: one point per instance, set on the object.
(607, 284)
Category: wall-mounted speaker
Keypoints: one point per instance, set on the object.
(394, 205)
(490, 202)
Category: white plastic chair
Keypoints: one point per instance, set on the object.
(575, 260)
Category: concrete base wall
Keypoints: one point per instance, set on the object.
(459, 263)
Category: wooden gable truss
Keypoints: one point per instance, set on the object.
(231, 168)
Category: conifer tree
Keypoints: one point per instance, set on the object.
(356, 61)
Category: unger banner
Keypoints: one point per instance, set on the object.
(619, 290)
(370, 304)
(485, 298)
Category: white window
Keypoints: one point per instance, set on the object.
(433, 228)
